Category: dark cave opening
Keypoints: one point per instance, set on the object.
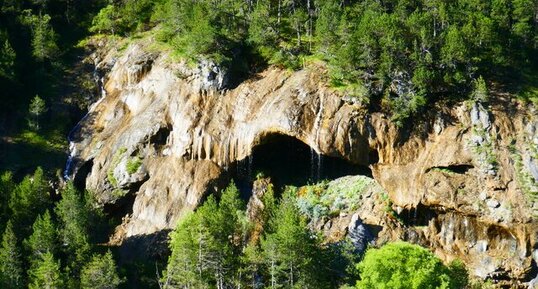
(289, 161)
(418, 216)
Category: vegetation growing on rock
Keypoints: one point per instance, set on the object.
(400, 54)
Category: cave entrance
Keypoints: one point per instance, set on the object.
(289, 161)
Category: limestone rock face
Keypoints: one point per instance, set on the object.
(167, 133)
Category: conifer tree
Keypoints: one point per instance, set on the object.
(100, 273)
(43, 239)
(6, 187)
(11, 272)
(44, 37)
(7, 58)
(207, 244)
(46, 273)
(29, 199)
(37, 107)
(74, 215)
(290, 249)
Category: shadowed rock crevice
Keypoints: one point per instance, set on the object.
(80, 178)
(418, 216)
(457, 169)
(160, 138)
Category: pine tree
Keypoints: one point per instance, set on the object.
(43, 36)
(43, 239)
(6, 187)
(7, 59)
(29, 199)
(107, 21)
(327, 26)
(46, 273)
(10, 260)
(74, 215)
(480, 91)
(100, 273)
(291, 250)
(189, 260)
(207, 244)
(37, 107)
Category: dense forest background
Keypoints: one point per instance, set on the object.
(396, 56)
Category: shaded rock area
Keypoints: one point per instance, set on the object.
(462, 181)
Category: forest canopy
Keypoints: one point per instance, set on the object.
(401, 53)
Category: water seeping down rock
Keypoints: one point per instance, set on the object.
(168, 133)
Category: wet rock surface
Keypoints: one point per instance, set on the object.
(462, 182)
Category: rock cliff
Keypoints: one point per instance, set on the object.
(166, 133)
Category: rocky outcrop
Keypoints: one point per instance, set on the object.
(168, 133)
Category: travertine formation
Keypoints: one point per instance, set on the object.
(166, 133)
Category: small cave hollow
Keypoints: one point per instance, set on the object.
(289, 161)
(80, 177)
(457, 169)
(160, 138)
(417, 216)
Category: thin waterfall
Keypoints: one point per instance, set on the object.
(317, 129)
(70, 137)
(312, 164)
(320, 167)
(250, 162)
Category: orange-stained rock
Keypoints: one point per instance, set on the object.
(472, 164)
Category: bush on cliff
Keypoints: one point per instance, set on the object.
(402, 265)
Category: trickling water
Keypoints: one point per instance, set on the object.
(317, 129)
(312, 163)
(250, 162)
(320, 167)
(317, 123)
(70, 136)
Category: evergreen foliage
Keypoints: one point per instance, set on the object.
(44, 37)
(74, 214)
(46, 273)
(206, 245)
(211, 248)
(290, 250)
(44, 238)
(100, 273)
(37, 107)
(7, 57)
(29, 199)
(11, 270)
(7, 185)
(400, 55)
(64, 235)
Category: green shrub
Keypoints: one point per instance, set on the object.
(403, 265)
(133, 165)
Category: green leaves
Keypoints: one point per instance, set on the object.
(107, 21)
(217, 246)
(100, 273)
(11, 271)
(36, 108)
(207, 244)
(74, 214)
(44, 238)
(7, 58)
(402, 265)
(44, 38)
(29, 198)
(46, 273)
